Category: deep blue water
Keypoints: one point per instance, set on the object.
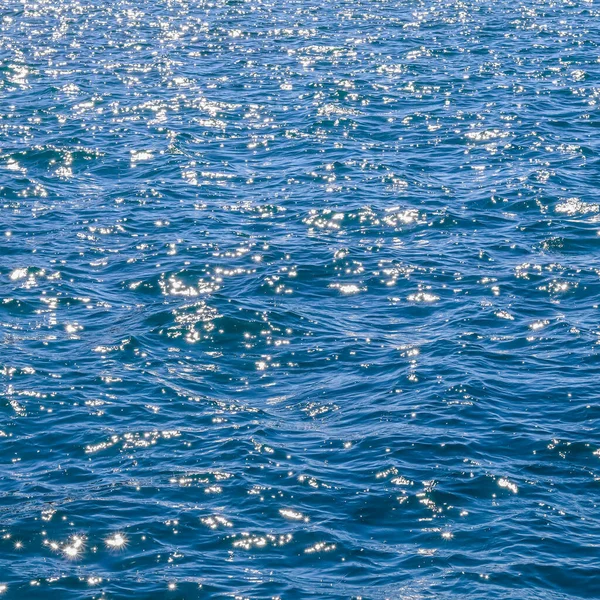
(299, 299)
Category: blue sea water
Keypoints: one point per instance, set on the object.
(299, 299)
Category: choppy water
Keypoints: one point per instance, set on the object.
(299, 299)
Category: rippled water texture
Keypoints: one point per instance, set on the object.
(299, 299)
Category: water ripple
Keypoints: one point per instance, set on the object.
(299, 299)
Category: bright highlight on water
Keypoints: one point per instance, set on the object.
(299, 299)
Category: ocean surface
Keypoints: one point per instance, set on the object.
(299, 299)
